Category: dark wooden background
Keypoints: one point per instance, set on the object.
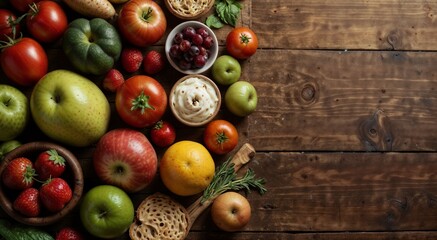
(345, 129)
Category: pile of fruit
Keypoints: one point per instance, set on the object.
(190, 47)
(39, 186)
(108, 49)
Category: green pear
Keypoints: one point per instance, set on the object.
(70, 108)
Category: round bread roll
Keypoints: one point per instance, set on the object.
(160, 217)
(189, 9)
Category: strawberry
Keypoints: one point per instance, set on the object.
(19, 174)
(27, 202)
(69, 233)
(131, 59)
(163, 134)
(153, 62)
(49, 164)
(55, 194)
(113, 80)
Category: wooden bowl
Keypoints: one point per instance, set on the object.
(179, 98)
(188, 9)
(73, 175)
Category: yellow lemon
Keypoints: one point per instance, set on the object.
(186, 168)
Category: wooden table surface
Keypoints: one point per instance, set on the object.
(345, 129)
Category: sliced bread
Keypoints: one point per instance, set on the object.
(160, 217)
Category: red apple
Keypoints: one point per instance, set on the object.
(231, 211)
(125, 158)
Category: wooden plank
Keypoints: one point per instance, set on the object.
(343, 101)
(335, 192)
(344, 24)
(311, 236)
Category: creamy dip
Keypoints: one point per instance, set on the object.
(194, 100)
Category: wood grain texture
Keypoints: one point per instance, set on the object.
(344, 101)
(312, 236)
(333, 192)
(343, 24)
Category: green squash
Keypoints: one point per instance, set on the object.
(92, 46)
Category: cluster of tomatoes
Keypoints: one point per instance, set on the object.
(45, 22)
(38, 186)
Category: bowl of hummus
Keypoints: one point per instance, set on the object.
(195, 100)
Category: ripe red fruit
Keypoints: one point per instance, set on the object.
(49, 164)
(27, 203)
(131, 59)
(163, 134)
(153, 62)
(113, 80)
(55, 194)
(19, 174)
(69, 233)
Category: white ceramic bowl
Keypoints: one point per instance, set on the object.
(195, 100)
(213, 49)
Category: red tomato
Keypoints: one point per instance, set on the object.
(241, 42)
(22, 5)
(7, 23)
(24, 61)
(141, 101)
(142, 22)
(220, 136)
(163, 134)
(46, 21)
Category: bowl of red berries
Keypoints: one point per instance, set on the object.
(191, 47)
(41, 183)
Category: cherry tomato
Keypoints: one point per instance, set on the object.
(24, 61)
(220, 137)
(241, 42)
(7, 24)
(141, 101)
(163, 134)
(46, 21)
(22, 5)
(142, 22)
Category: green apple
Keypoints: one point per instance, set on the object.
(70, 108)
(8, 146)
(226, 70)
(106, 211)
(241, 98)
(14, 112)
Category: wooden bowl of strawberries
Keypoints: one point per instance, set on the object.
(41, 183)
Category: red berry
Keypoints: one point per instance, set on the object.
(19, 174)
(69, 233)
(27, 203)
(153, 62)
(113, 80)
(49, 164)
(55, 194)
(131, 59)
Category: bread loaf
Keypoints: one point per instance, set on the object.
(160, 217)
(189, 9)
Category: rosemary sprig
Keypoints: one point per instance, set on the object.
(225, 179)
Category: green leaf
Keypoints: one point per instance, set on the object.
(228, 11)
(214, 22)
(220, 9)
